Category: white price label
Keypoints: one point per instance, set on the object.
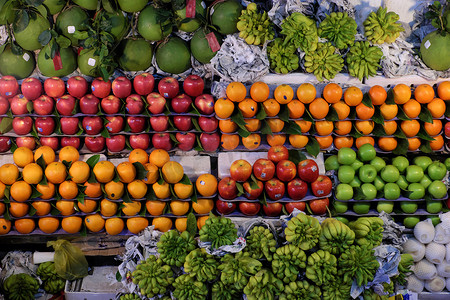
(427, 44)
(91, 62)
(71, 29)
(26, 57)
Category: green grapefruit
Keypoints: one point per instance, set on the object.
(9, 18)
(70, 20)
(87, 4)
(200, 48)
(88, 63)
(119, 25)
(173, 56)
(435, 51)
(225, 16)
(68, 59)
(193, 24)
(135, 55)
(19, 66)
(54, 6)
(27, 37)
(132, 6)
(148, 26)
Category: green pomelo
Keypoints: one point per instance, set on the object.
(70, 20)
(132, 6)
(27, 38)
(193, 24)
(88, 63)
(119, 25)
(68, 59)
(87, 4)
(9, 18)
(200, 48)
(54, 6)
(135, 55)
(435, 51)
(148, 26)
(173, 56)
(447, 18)
(19, 66)
(225, 16)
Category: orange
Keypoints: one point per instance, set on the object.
(206, 185)
(203, 206)
(365, 127)
(377, 94)
(47, 191)
(387, 143)
(438, 143)
(114, 226)
(131, 208)
(410, 127)
(276, 139)
(56, 172)
(402, 93)
(433, 128)
(389, 111)
(68, 189)
(390, 127)
(93, 190)
(223, 108)
(252, 125)
(5, 226)
(138, 155)
(275, 124)
(24, 226)
(306, 93)
(2, 190)
(413, 144)
(364, 140)
(162, 191)
(443, 90)
(87, 206)
(325, 142)
(69, 154)
(137, 224)
(236, 91)
(104, 171)
(108, 208)
(172, 172)
(424, 93)
(152, 173)
(271, 107)
(227, 126)
(47, 152)
(80, 171)
(114, 190)
(94, 223)
(66, 207)
(72, 224)
(2, 208)
(201, 221)
(48, 224)
(248, 107)
(23, 156)
(18, 209)
(364, 112)
(179, 208)
(32, 173)
(126, 171)
(343, 142)
(20, 191)
(343, 127)
(305, 126)
(332, 93)
(342, 109)
(9, 173)
(353, 96)
(412, 108)
(436, 108)
(319, 108)
(183, 191)
(229, 141)
(137, 189)
(298, 141)
(155, 207)
(324, 127)
(252, 141)
(181, 224)
(162, 224)
(259, 91)
(159, 157)
(283, 94)
(296, 109)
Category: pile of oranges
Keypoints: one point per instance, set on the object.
(48, 192)
(350, 118)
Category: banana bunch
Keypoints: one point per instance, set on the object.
(369, 294)
(260, 243)
(339, 29)
(54, 286)
(152, 276)
(382, 27)
(324, 62)
(359, 263)
(263, 285)
(322, 267)
(301, 290)
(388, 287)
(201, 265)
(173, 247)
(335, 236)
(404, 268)
(287, 262)
(221, 291)
(303, 231)
(254, 27)
(187, 288)
(130, 297)
(282, 58)
(52, 282)
(363, 60)
(20, 287)
(300, 31)
(368, 231)
(236, 269)
(219, 231)
(337, 289)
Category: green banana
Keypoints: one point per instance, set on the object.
(382, 26)
(359, 263)
(220, 291)
(323, 62)
(130, 297)
(152, 276)
(20, 286)
(300, 31)
(363, 60)
(303, 231)
(201, 265)
(263, 285)
(337, 289)
(335, 236)
(256, 28)
(321, 267)
(187, 288)
(283, 58)
(236, 269)
(339, 29)
(219, 231)
(260, 243)
(287, 262)
(173, 247)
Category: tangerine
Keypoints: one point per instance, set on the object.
(252, 125)
(343, 127)
(437, 143)
(18, 209)
(324, 127)
(296, 109)
(437, 108)
(137, 189)
(104, 171)
(283, 94)
(79, 171)
(342, 109)
(343, 142)
(364, 140)
(93, 190)
(412, 108)
(66, 207)
(203, 206)
(248, 107)
(114, 226)
(227, 126)
(298, 141)
(325, 142)
(152, 173)
(32, 173)
(138, 155)
(236, 91)
(443, 90)
(182, 190)
(162, 224)
(69, 154)
(181, 224)
(229, 141)
(353, 96)
(179, 208)
(410, 127)
(275, 124)
(306, 93)
(23, 156)
(114, 190)
(56, 172)
(364, 112)
(390, 127)
(48, 224)
(137, 224)
(332, 93)
(206, 185)
(159, 157)
(389, 111)
(2, 208)
(68, 189)
(424, 93)
(71, 224)
(304, 125)
(252, 141)
(47, 152)
(319, 108)
(223, 108)
(126, 171)
(387, 143)
(365, 127)
(413, 144)
(172, 172)
(201, 221)
(87, 206)
(108, 208)
(402, 93)
(276, 139)
(259, 91)
(47, 191)
(24, 226)
(5, 226)
(9, 174)
(94, 223)
(433, 128)
(131, 208)
(20, 191)
(155, 207)
(271, 107)
(162, 191)
(377, 94)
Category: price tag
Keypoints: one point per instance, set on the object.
(190, 9)
(212, 42)
(57, 62)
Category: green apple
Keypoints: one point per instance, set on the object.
(344, 192)
(414, 173)
(369, 191)
(390, 173)
(437, 189)
(408, 207)
(378, 163)
(435, 220)
(340, 207)
(425, 181)
(367, 173)
(378, 183)
(434, 206)
(402, 183)
(447, 163)
(386, 206)
(417, 191)
(367, 152)
(346, 156)
(355, 182)
(400, 162)
(437, 170)
(342, 219)
(357, 164)
(391, 191)
(331, 163)
(423, 162)
(361, 207)
(410, 222)
(346, 174)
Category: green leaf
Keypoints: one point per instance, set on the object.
(126, 197)
(425, 147)
(263, 200)
(243, 132)
(80, 35)
(6, 125)
(261, 115)
(191, 225)
(358, 194)
(7, 13)
(292, 128)
(32, 211)
(401, 114)
(105, 133)
(265, 128)
(367, 101)
(93, 160)
(141, 172)
(377, 117)
(283, 115)
(313, 147)
(2, 47)
(16, 49)
(307, 117)
(402, 147)
(185, 180)
(378, 131)
(390, 97)
(332, 115)
(45, 37)
(296, 156)
(240, 188)
(110, 6)
(195, 123)
(399, 134)
(42, 10)
(35, 193)
(425, 115)
(63, 42)
(22, 20)
(118, 276)
(238, 118)
(194, 196)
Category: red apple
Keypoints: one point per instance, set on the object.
(227, 188)
(181, 103)
(183, 123)
(52, 142)
(186, 140)
(65, 105)
(286, 170)
(4, 105)
(253, 193)
(110, 104)
(278, 153)
(144, 83)
(322, 186)
(297, 189)
(94, 144)
(205, 104)
(77, 86)
(298, 205)
(134, 104)
(249, 208)
(45, 125)
(225, 208)
(92, 125)
(140, 141)
(54, 87)
(168, 87)
(71, 141)
(121, 87)
(208, 124)
(115, 143)
(69, 125)
(263, 169)
(22, 125)
(31, 88)
(5, 143)
(9, 86)
(159, 123)
(26, 141)
(156, 103)
(43, 105)
(275, 189)
(210, 141)
(162, 141)
(240, 170)
(100, 88)
(308, 170)
(447, 129)
(319, 207)
(272, 209)
(115, 124)
(19, 105)
(137, 124)
(193, 85)
(89, 104)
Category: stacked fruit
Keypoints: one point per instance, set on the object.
(20, 286)
(272, 182)
(120, 115)
(52, 282)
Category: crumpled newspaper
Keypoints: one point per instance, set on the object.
(16, 262)
(236, 247)
(3, 34)
(393, 232)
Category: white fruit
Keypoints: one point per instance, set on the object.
(425, 270)
(414, 284)
(447, 254)
(435, 285)
(442, 234)
(415, 248)
(435, 253)
(424, 231)
(443, 269)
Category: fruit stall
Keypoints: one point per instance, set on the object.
(224, 149)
